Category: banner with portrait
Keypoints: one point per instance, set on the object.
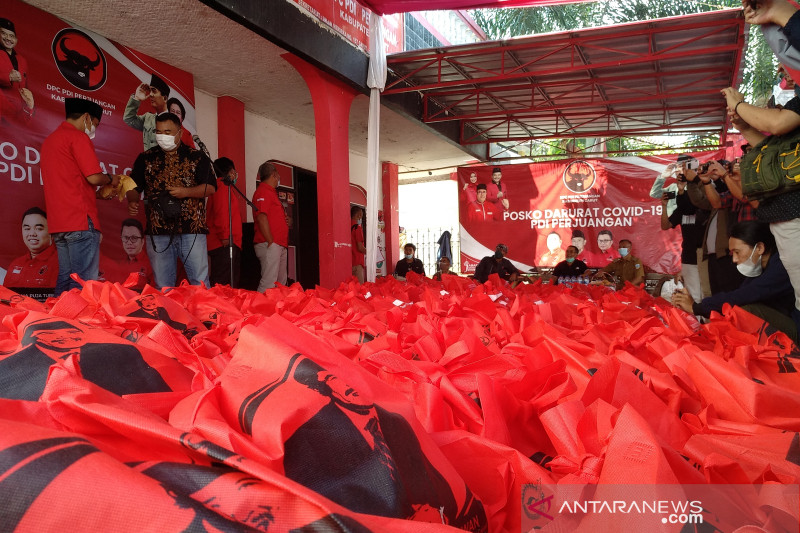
(536, 209)
(43, 60)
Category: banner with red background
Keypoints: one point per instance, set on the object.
(65, 61)
(589, 195)
(351, 20)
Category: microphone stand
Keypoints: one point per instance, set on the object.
(232, 185)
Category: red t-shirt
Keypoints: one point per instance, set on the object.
(267, 202)
(118, 271)
(601, 259)
(217, 217)
(356, 236)
(41, 271)
(480, 212)
(68, 157)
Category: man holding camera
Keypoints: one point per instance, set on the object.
(175, 179)
(702, 188)
(692, 223)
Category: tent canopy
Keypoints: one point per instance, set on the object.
(644, 78)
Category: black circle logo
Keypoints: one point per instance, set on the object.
(79, 59)
(579, 176)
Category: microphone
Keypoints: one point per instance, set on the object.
(200, 144)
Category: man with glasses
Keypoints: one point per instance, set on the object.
(135, 261)
(158, 92)
(605, 252)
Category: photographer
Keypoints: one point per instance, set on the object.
(707, 185)
(175, 179)
(692, 223)
(731, 196)
(782, 211)
(678, 170)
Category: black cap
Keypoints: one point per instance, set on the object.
(684, 157)
(74, 106)
(161, 85)
(578, 233)
(7, 25)
(480, 187)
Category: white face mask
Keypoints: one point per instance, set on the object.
(166, 142)
(751, 270)
(90, 132)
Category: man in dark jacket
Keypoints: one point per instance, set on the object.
(496, 264)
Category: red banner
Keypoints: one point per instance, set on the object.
(351, 20)
(57, 61)
(537, 207)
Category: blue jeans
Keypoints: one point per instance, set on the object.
(190, 247)
(78, 253)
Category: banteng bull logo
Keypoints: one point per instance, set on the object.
(79, 59)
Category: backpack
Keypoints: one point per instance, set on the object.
(772, 167)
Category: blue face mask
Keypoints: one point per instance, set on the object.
(409, 256)
(570, 260)
(623, 252)
(359, 221)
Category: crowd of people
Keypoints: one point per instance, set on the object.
(192, 226)
(734, 250)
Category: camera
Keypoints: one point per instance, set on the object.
(703, 169)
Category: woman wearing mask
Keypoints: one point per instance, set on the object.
(766, 292)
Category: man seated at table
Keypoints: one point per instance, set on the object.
(444, 268)
(409, 263)
(497, 264)
(627, 267)
(571, 266)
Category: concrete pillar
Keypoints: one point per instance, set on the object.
(331, 100)
(391, 215)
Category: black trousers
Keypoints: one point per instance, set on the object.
(219, 266)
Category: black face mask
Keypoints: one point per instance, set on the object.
(498, 255)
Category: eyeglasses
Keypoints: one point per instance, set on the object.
(131, 239)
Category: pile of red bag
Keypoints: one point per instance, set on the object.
(389, 406)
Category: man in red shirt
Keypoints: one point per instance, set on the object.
(480, 210)
(71, 174)
(357, 242)
(218, 219)
(38, 267)
(272, 232)
(16, 100)
(136, 260)
(605, 251)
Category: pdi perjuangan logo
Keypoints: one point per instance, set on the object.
(79, 59)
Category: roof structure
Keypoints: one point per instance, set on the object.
(646, 78)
